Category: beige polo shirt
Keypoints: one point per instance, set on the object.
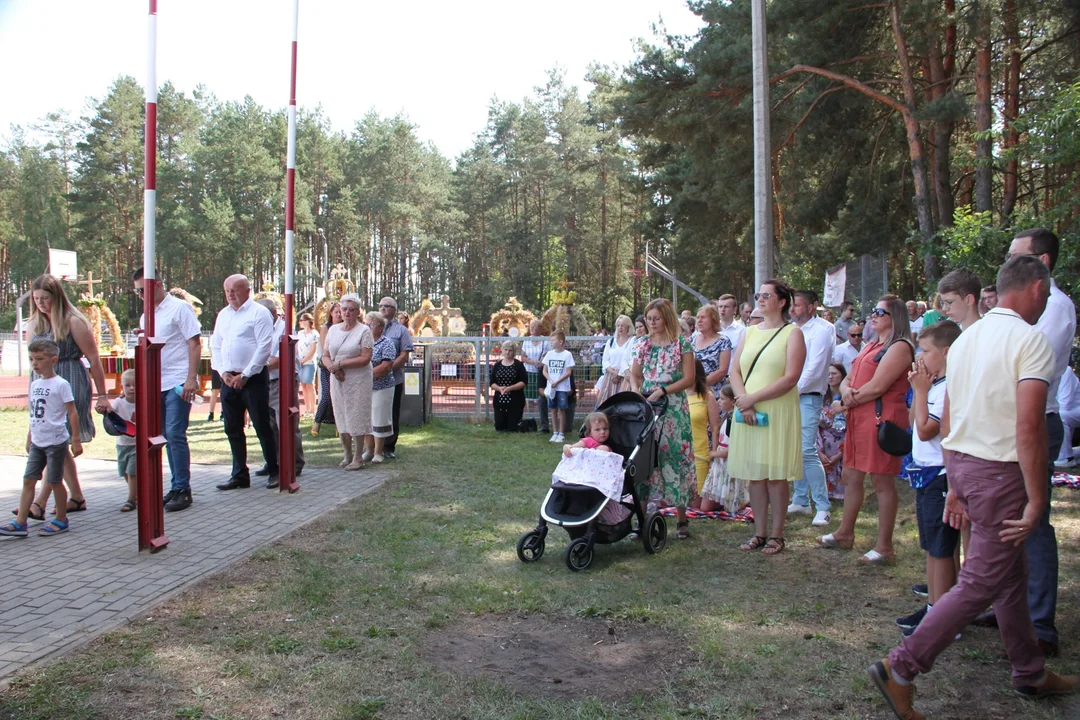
(984, 366)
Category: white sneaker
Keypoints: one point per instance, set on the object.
(562, 437)
(555, 438)
(794, 509)
(822, 518)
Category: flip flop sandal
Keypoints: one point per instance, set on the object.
(14, 529)
(830, 541)
(774, 546)
(80, 506)
(53, 527)
(128, 507)
(40, 516)
(873, 557)
(683, 530)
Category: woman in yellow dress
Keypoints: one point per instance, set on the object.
(766, 446)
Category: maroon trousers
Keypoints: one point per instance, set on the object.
(994, 573)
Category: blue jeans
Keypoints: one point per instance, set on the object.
(1042, 551)
(174, 423)
(813, 482)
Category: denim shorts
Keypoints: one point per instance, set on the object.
(935, 537)
(307, 374)
(560, 402)
(51, 457)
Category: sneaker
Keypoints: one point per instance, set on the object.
(921, 590)
(180, 500)
(822, 518)
(910, 622)
(794, 509)
(554, 438)
(168, 498)
(1052, 684)
(899, 697)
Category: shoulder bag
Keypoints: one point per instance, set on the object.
(762, 418)
(891, 438)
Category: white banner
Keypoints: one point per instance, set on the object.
(835, 287)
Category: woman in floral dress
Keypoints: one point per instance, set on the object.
(711, 348)
(663, 366)
(831, 432)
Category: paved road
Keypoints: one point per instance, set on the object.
(62, 591)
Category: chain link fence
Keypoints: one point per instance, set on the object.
(867, 280)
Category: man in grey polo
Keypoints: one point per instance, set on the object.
(274, 366)
(404, 345)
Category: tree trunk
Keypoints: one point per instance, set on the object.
(984, 116)
(1011, 105)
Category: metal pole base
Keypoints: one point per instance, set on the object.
(149, 441)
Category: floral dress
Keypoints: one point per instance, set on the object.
(675, 477)
(830, 440)
(710, 357)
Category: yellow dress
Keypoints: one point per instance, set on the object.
(699, 424)
(773, 452)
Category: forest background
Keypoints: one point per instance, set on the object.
(928, 130)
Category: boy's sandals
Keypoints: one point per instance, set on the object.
(32, 516)
(873, 557)
(128, 506)
(755, 543)
(14, 529)
(774, 546)
(53, 527)
(830, 541)
(683, 530)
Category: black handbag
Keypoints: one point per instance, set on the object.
(891, 438)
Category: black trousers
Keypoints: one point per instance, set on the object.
(298, 437)
(508, 415)
(390, 444)
(255, 399)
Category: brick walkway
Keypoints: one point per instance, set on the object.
(60, 592)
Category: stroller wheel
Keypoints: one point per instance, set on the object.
(530, 547)
(655, 534)
(579, 554)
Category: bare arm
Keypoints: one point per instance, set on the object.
(308, 355)
(359, 361)
(896, 362)
(73, 421)
(637, 377)
(383, 369)
(1031, 442)
(84, 338)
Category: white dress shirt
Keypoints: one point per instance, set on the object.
(734, 332)
(628, 356)
(175, 324)
(1058, 323)
(820, 338)
(242, 339)
(613, 355)
(845, 354)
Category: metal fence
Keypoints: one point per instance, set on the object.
(457, 370)
(867, 280)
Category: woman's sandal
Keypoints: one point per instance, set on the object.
(873, 557)
(31, 515)
(79, 506)
(128, 506)
(774, 546)
(755, 543)
(830, 541)
(683, 530)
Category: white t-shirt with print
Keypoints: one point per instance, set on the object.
(927, 453)
(48, 411)
(125, 410)
(557, 363)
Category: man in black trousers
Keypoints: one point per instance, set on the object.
(240, 350)
(404, 346)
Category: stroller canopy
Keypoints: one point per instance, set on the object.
(629, 414)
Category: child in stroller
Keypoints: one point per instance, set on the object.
(593, 495)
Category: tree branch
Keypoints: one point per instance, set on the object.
(806, 115)
(845, 80)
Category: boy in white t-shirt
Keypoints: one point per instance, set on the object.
(939, 540)
(558, 366)
(51, 404)
(124, 406)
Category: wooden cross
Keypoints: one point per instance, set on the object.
(88, 282)
(445, 312)
(564, 284)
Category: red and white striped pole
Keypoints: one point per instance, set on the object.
(288, 412)
(148, 439)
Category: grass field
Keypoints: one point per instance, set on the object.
(411, 603)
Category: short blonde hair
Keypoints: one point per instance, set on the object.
(509, 344)
(129, 373)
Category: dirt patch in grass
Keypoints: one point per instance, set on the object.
(563, 658)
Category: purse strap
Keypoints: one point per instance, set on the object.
(877, 359)
(762, 350)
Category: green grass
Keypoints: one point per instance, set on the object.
(335, 621)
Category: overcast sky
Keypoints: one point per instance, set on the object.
(439, 62)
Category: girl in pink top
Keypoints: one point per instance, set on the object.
(596, 434)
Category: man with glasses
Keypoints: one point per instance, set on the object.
(845, 322)
(1058, 323)
(959, 292)
(846, 352)
(404, 345)
(175, 323)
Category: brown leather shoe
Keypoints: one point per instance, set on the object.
(899, 697)
(1053, 685)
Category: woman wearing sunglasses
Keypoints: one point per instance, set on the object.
(766, 438)
(879, 372)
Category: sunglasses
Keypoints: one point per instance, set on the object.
(139, 291)
(762, 296)
(880, 312)
(851, 334)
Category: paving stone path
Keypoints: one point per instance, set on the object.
(60, 592)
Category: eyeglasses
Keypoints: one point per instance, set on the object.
(879, 312)
(387, 306)
(139, 291)
(1010, 256)
(762, 296)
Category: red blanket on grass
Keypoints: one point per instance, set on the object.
(745, 515)
(1066, 480)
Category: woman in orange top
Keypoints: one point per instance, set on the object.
(879, 371)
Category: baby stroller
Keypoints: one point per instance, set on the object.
(577, 508)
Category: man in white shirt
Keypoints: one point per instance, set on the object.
(239, 351)
(274, 391)
(533, 350)
(175, 324)
(1058, 323)
(1068, 398)
(914, 317)
(730, 327)
(959, 292)
(846, 352)
(819, 335)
